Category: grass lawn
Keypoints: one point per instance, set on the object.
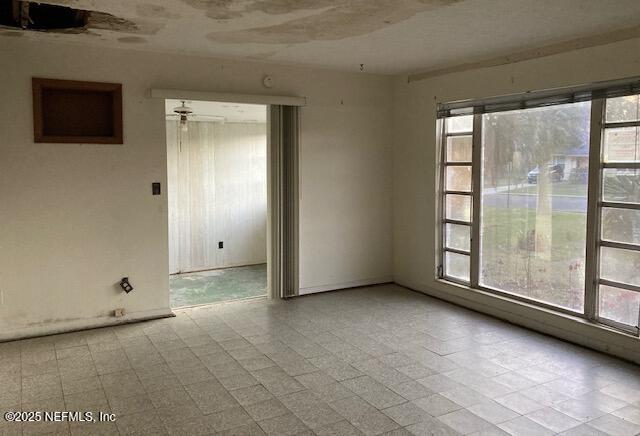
(503, 230)
(558, 188)
(509, 262)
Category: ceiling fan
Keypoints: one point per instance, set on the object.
(184, 113)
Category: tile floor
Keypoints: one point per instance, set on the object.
(377, 360)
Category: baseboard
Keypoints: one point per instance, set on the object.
(82, 324)
(562, 326)
(354, 284)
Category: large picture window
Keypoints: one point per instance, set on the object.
(541, 202)
(535, 166)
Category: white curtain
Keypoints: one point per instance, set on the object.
(216, 192)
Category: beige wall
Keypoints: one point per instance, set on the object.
(74, 219)
(415, 166)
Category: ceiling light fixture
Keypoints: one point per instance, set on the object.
(183, 111)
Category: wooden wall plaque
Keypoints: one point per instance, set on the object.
(68, 111)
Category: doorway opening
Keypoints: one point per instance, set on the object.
(217, 201)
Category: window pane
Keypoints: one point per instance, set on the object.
(459, 148)
(620, 265)
(619, 305)
(458, 237)
(622, 109)
(458, 178)
(621, 185)
(534, 203)
(621, 145)
(458, 207)
(456, 265)
(460, 124)
(621, 225)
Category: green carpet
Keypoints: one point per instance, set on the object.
(218, 285)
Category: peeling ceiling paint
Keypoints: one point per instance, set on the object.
(386, 36)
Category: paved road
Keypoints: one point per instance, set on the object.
(559, 203)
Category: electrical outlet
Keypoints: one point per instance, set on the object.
(119, 312)
(221, 244)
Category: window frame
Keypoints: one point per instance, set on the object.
(595, 205)
(599, 109)
(443, 192)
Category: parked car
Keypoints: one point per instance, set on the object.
(556, 173)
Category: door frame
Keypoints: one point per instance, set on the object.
(283, 181)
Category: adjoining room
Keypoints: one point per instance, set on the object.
(217, 199)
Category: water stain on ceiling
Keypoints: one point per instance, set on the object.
(262, 55)
(389, 36)
(326, 20)
(104, 21)
(296, 21)
(132, 39)
(155, 11)
(230, 9)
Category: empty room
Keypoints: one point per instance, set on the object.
(217, 195)
(332, 217)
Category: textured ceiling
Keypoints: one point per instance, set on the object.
(385, 36)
